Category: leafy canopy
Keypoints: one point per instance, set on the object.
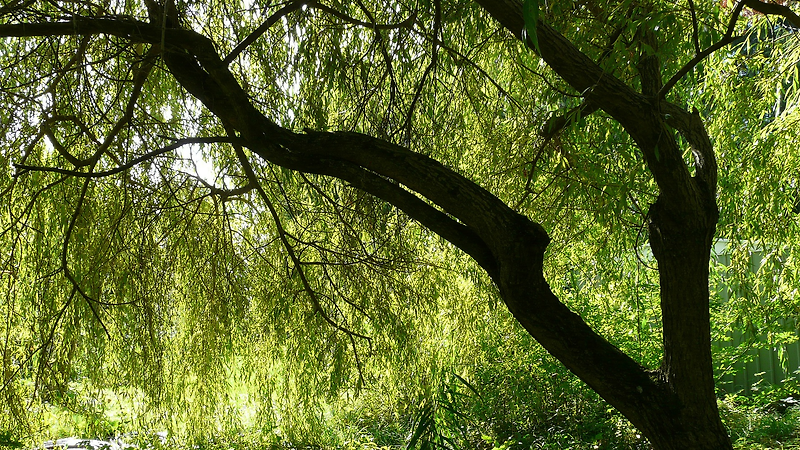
(177, 280)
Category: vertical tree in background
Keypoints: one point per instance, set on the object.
(493, 125)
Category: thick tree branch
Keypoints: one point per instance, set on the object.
(441, 223)
(691, 127)
(649, 65)
(774, 9)
(686, 207)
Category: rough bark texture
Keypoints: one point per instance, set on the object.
(675, 405)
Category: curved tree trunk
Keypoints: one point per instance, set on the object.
(675, 407)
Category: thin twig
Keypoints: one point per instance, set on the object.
(437, 26)
(258, 32)
(289, 249)
(466, 59)
(387, 57)
(294, 6)
(727, 39)
(65, 251)
(353, 21)
(147, 156)
(695, 32)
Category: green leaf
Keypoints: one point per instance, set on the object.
(530, 12)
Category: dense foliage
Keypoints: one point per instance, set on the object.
(149, 258)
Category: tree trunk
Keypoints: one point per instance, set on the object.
(674, 407)
(682, 248)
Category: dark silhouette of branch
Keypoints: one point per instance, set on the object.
(726, 39)
(15, 6)
(294, 6)
(437, 26)
(374, 25)
(695, 32)
(774, 9)
(147, 156)
(258, 32)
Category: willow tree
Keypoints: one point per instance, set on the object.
(328, 126)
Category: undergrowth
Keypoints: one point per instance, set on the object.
(504, 406)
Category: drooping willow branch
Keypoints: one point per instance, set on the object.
(21, 168)
(65, 251)
(467, 60)
(437, 28)
(48, 341)
(294, 6)
(726, 39)
(248, 169)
